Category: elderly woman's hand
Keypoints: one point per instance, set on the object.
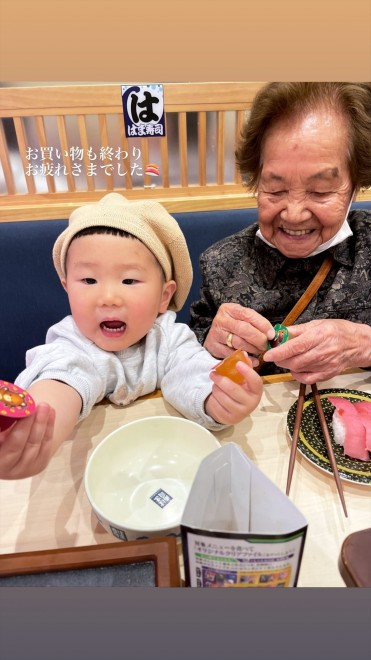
(236, 327)
(321, 349)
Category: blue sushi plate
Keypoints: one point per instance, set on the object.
(311, 443)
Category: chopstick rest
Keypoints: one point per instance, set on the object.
(326, 435)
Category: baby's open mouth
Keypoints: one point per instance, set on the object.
(113, 326)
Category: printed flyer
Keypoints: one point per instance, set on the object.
(238, 528)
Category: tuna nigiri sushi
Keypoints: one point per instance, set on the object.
(349, 428)
(364, 409)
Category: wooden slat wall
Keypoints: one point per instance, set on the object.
(239, 124)
(40, 128)
(202, 148)
(61, 103)
(85, 146)
(125, 146)
(5, 163)
(23, 146)
(183, 153)
(220, 149)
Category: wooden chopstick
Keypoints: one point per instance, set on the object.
(326, 435)
(295, 435)
(330, 450)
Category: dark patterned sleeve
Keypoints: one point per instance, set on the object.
(221, 268)
(204, 309)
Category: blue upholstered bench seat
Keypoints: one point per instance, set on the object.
(32, 298)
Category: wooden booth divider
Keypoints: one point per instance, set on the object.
(74, 120)
(60, 145)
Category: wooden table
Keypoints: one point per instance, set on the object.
(51, 510)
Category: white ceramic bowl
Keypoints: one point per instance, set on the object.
(139, 477)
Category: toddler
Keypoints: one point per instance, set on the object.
(126, 269)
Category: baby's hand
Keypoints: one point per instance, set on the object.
(26, 446)
(230, 402)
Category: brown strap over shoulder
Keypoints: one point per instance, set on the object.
(309, 292)
(305, 299)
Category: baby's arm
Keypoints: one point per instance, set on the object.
(27, 446)
(230, 403)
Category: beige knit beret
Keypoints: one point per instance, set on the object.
(149, 222)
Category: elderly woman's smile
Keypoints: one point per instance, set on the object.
(305, 187)
(296, 232)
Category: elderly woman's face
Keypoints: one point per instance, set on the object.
(305, 187)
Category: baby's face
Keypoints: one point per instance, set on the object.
(115, 288)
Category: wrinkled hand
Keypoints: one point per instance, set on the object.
(26, 446)
(250, 331)
(321, 349)
(230, 403)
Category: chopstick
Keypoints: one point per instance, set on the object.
(330, 450)
(326, 435)
(295, 435)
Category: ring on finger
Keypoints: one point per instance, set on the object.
(229, 341)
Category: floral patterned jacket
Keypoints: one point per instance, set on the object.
(243, 269)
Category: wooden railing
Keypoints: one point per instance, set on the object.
(37, 118)
(79, 122)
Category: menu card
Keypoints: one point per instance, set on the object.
(238, 529)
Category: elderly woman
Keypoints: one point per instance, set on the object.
(305, 151)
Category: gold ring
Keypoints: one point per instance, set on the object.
(229, 341)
